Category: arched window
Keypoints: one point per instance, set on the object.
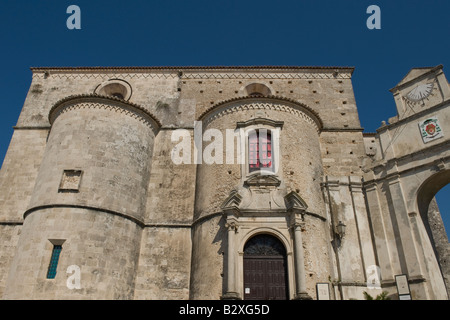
(257, 90)
(260, 142)
(115, 88)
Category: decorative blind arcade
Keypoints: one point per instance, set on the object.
(260, 150)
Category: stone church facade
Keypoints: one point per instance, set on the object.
(223, 183)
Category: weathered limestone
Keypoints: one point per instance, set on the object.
(95, 138)
(90, 167)
(401, 181)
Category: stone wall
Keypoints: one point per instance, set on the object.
(102, 245)
(96, 174)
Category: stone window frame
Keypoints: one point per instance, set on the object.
(245, 128)
(257, 89)
(259, 155)
(117, 88)
(52, 268)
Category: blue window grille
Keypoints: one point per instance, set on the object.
(51, 274)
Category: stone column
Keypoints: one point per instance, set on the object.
(409, 253)
(231, 213)
(296, 207)
(362, 223)
(384, 236)
(231, 292)
(300, 279)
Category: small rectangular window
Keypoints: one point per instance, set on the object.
(51, 274)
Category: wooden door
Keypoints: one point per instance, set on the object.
(265, 270)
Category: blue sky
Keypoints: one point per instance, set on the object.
(233, 32)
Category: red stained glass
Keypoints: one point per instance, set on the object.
(260, 150)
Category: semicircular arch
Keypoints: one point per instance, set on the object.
(266, 231)
(262, 103)
(429, 188)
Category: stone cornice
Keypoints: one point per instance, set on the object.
(190, 68)
(130, 217)
(260, 103)
(385, 175)
(137, 221)
(32, 128)
(400, 160)
(418, 78)
(199, 72)
(11, 223)
(94, 100)
(260, 121)
(414, 116)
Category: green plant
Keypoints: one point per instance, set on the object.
(381, 296)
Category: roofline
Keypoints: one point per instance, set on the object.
(432, 69)
(180, 68)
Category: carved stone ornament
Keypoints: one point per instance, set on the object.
(264, 245)
(263, 180)
(232, 202)
(294, 201)
(232, 226)
(260, 121)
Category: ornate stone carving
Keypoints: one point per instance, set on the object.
(94, 101)
(294, 201)
(260, 121)
(232, 226)
(264, 245)
(265, 75)
(187, 73)
(265, 180)
(265, 103)
(232, 202)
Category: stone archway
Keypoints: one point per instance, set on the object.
(432, 220)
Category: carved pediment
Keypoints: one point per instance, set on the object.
(294, 201)
(263, 180)
(232, 201)
(260, 121)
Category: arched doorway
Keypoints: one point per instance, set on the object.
(433, 219)
(443, 201)
(265, 269)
